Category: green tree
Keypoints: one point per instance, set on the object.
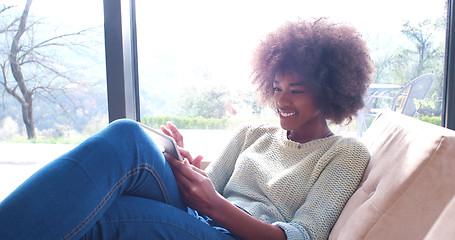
(209, 102)
(430, 57)
(421, 35)
(423, 54)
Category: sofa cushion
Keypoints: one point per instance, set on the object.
(408, 186)
(443, 228)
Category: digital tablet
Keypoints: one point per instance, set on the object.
(167, 143)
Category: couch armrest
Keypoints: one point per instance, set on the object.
(407, 185)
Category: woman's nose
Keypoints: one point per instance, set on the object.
(283, 99)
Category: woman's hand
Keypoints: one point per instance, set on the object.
(196, 162)
(198, 192)
(195, 186)
(173, 132)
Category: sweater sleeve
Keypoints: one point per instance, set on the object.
(329, 194)
(221, 169)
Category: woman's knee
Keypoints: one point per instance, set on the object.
(125, 125)
(128, 134)
(123, 129)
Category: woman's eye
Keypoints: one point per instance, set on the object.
(298, 91)
(275, 89)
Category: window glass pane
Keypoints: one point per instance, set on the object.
(194, 56)
(60, 65)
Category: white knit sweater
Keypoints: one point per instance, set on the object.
(302, 188)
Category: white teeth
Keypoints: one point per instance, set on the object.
(287, 114)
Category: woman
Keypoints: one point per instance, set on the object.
(271, 182)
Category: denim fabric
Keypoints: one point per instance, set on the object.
(210, 222)
(115, 185)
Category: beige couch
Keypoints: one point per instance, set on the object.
(408, 190)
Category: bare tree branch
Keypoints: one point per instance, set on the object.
(32, 69)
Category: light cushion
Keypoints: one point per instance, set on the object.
(444, 226)
(408, 187)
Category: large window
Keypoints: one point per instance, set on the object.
(193, 67)
(52, 83)
(193, 57)
(59, 61)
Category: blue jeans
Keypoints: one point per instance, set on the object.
(115, 185)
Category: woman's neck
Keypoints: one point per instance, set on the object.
(309, 134)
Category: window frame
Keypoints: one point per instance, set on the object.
(448, 110)
(121, 59)
(122, 67)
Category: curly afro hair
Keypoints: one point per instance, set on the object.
(331, 59)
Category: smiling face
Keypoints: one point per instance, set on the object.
(297, 108)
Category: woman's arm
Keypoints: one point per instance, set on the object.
(242, 224)
(198, 192)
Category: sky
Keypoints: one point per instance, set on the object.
(216, 34)
(384, 11)
(233, 27)
(249, 17)
(186, 43)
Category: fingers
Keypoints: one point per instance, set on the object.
(165, 131)
(193, 161)
(185, 167)
(179, 169)
(185, 154)
(197, 161)
(195, 186)
(183, 171)
(173, 132)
